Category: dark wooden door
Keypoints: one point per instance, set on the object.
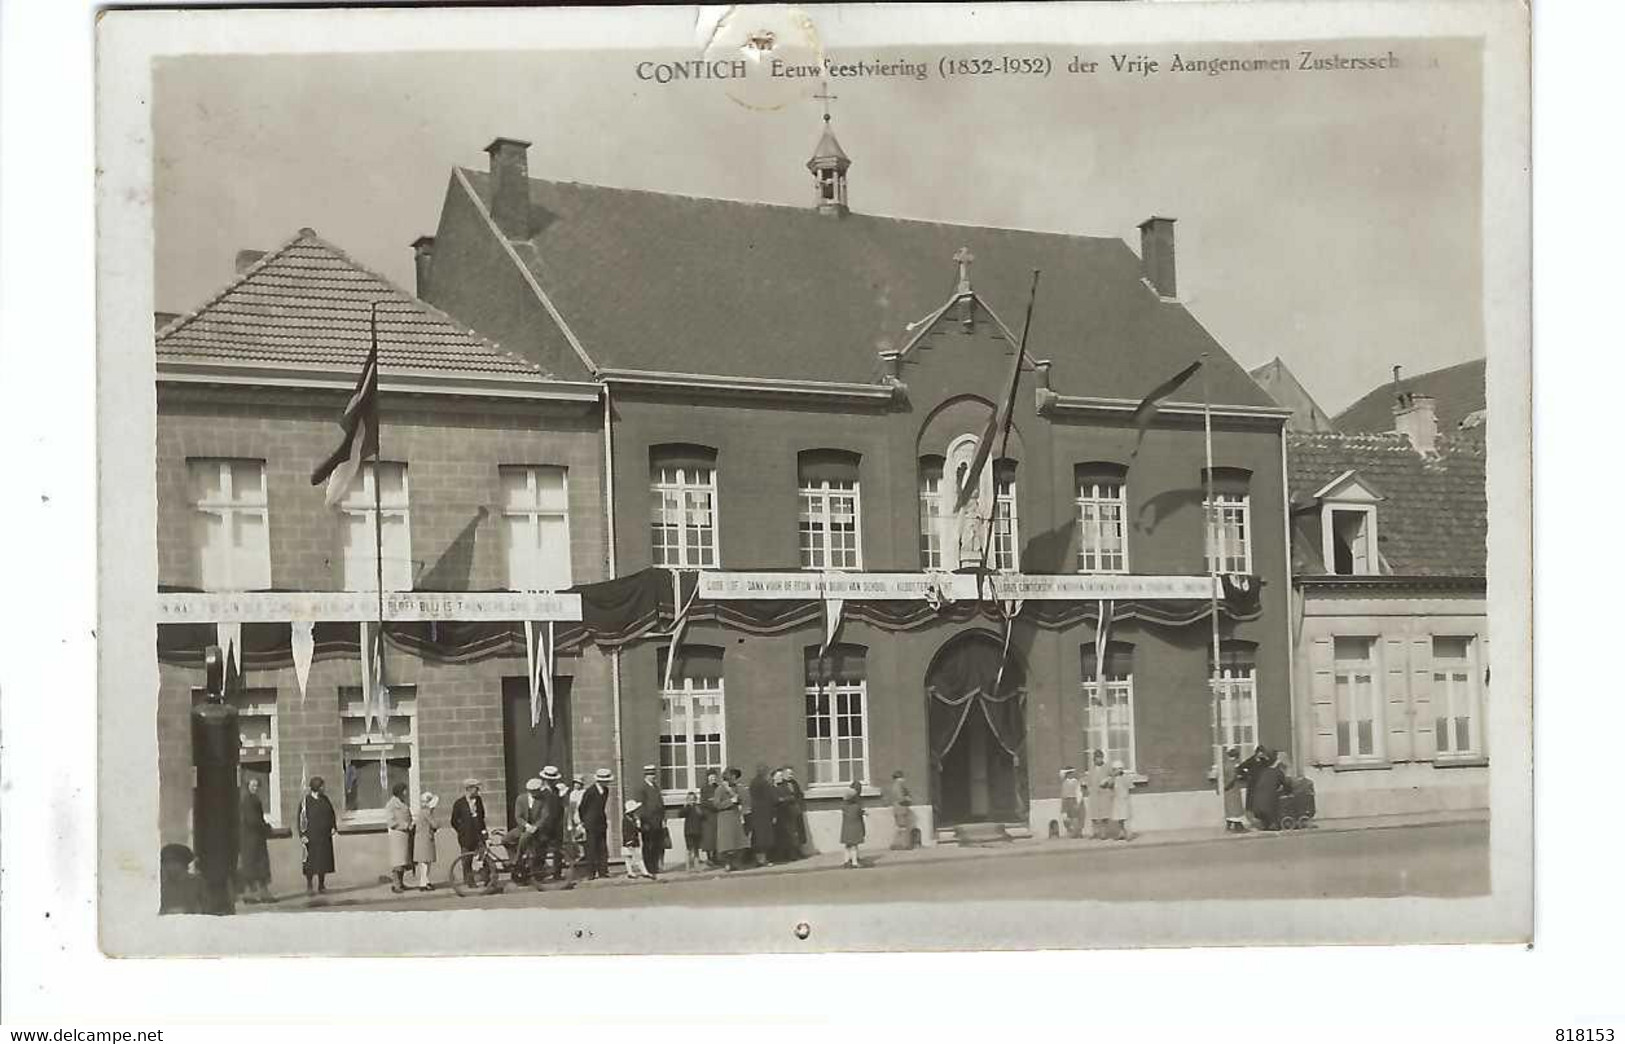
(526, 749)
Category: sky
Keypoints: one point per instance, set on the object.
(1328, 218)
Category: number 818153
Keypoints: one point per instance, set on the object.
(1585, 1036)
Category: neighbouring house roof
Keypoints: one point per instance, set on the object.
(308, 304)
(651, 281)
(1431, 522)
(1457, 392)
(1284, 387)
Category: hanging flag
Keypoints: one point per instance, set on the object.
(832, 621)
(998, 423)
(546, 658)
(1103, 623)
(530, 673)
(229, 636)
(1147, 409)
(374, 690)
(303, 642)
(360, 423)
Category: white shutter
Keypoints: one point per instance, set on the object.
(1396, 698)
(1324, 749)
(1423, 735)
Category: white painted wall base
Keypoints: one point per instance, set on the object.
(1399, 790)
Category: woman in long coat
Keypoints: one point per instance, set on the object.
(317, 824)
(708, 829)
(1264, 796)
(730, 827)
(254, 861)
(424, 825)
(1234, 808)
(398, 817)
(759, 814)
(853, 829)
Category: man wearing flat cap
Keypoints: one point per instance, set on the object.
(527, 818)
(468, 823)
(594, 814)
(651, 819)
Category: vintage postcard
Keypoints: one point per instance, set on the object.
(821, 478)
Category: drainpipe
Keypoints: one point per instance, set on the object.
(1298, 763)
(614, 654)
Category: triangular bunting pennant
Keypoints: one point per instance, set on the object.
(546, 667)
(380, 684)
(368, 706)
(832, 620)
(530, 674)
(229, 636)
(303, 642)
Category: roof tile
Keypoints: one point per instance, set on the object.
(308, 303)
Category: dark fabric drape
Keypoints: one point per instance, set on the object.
(961, 683)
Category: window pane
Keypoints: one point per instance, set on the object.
(551, 493)
(517, 494)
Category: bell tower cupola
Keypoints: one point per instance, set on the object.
(829, 164)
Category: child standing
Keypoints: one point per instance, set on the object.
(1122, 793)
(693, 829)
(630, 846)
(423, 827)
(853, 830)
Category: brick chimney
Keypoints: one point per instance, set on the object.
(1157, 255)
(423, 258)
(247, 259)
(1414, 418)
(510, 186)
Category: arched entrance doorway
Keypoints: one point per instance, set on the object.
(978, 732)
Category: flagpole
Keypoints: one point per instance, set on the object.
(1213, 585)
(1009, 422)
(378, 511)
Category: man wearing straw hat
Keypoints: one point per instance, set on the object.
(594, 815)
(550, 826)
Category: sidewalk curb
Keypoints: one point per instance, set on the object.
(1035, 847)
(1024, 849)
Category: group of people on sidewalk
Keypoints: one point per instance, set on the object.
(727, 823)
(1103, 799)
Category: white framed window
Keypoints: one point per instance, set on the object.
(1006, 532)
(231, 528)
(829, 520)
(1237, 680)
(836, 697)
(376, 759)
(693, 724)
(1102, 504)
(683, 511)
(1455, 696)
(1229, 533)
(357, 558)
(1109, 706)
(1349, 539)
(931, 513)
(256, 752)
(536, 526)
(1357, 689)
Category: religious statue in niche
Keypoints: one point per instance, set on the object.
(964, 529)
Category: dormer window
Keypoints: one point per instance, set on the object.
(1348, 526)
(1349, 530)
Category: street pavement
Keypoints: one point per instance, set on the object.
(1378, 858)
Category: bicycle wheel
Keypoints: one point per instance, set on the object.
(462, 871)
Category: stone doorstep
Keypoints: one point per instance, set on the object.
(1016, 848)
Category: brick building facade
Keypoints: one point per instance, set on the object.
(249, 390)
(788, 393)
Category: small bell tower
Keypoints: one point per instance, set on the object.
(829, 164)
